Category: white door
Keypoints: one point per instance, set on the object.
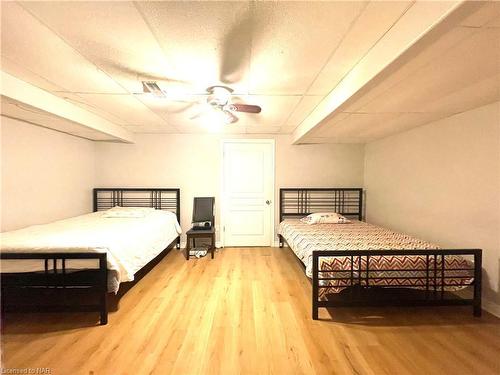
(248, 192)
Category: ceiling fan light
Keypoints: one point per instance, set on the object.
(229, 118)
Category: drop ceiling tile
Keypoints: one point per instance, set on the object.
(263, 129)
(113, 35)
(82, 103)
(176, 107)
(18, 70)
(401, 123)
(126, 107)
(207, 128)
(444, 76)
(376, 19)
(494, 22)
(427, 51)
(275, 109)
(25, 41)
(355, 125)
(195, 115)
(233, 129)
(484, 12)
(302, 110)
(368, 127)
(330, 121)
(151, 129)
(466, 98)
(287, 129)
(294, 40)
(203, 119)
(206, 44)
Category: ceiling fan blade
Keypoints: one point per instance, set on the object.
(140, 75)
(168, 98)
(202, 111)
(235, 50)
(197, 115)
(183, 108)
(248, 108)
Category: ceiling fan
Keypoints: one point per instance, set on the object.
(219, 98)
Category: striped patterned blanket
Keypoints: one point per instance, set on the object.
(304, 239)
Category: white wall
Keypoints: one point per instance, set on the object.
(192, 163)
(441, 182)
(46, 175)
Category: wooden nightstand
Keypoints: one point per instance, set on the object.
(194, 234)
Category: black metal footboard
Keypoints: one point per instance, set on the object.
(58, 282)
(358, 283)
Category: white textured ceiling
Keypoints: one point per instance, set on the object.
(284, 56)
(277, 55)
(454, 68)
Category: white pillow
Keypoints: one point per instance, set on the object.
(127, 212)
(139, 209)
(123, 213)
(324, 218)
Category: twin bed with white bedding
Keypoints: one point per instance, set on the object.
(98, 251)
(130, 241)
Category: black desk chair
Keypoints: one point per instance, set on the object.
(204, 223)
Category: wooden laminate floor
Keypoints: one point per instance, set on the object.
(248, 311)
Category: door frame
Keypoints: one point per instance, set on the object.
(270, 141)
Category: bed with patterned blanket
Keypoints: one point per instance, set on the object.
(358, 264)
(303, 239)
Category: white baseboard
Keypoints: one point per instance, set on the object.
(491, 307)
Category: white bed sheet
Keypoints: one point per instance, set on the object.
(130, 243)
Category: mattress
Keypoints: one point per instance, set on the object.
(130, 243)
(303, 239)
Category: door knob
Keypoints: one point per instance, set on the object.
(268, 202)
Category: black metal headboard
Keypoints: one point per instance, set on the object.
(159, 198)
(300, 202)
